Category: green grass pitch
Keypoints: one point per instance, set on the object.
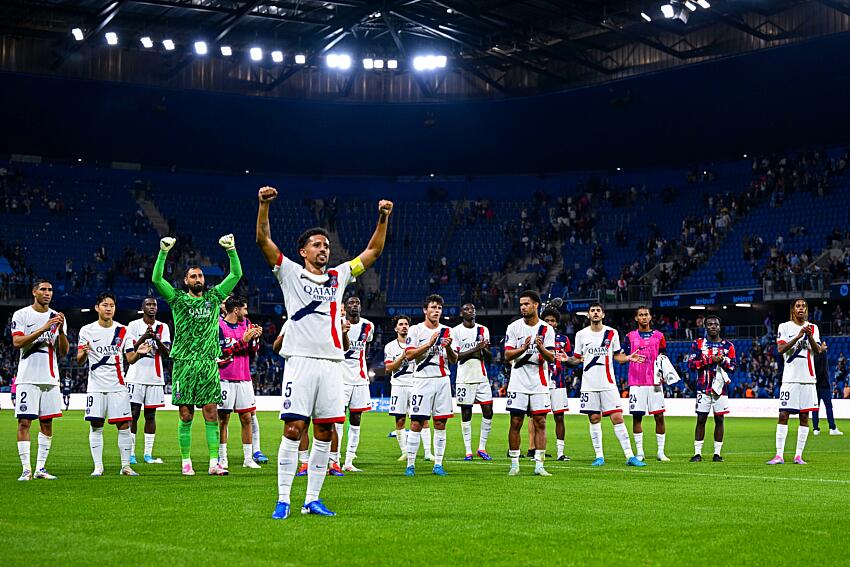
(740, 512)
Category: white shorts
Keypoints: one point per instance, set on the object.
(469, 394)
(646, 400)
(400, 400)
(533, 404)
(431, 397)
(238, 396)
(798, 398)
(112, 405)
(356, 398)
(605, 402)
(148, 395)
(38, 401)
(559, 400)
(707, 403)
(312, 389)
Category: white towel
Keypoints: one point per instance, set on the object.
(665, 371)
(721, 378)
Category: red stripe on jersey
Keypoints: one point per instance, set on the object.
(18, 334)
(156, 361)
(50, 360)
(480, 337)
(809, 360)
(334, 334)
(365, 333)
(279, 260)
(118, 370)
(541, 373)
(442, 366)
(610, 337)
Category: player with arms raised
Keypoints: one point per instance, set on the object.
(146, 376)
(713, 358)
(529, 347)
(194, 375)
(429, 348)
(101, 347)
(312, 346)
(645, 397)
(797, 341)
(40, 333)
(597, 347)
(472, 343)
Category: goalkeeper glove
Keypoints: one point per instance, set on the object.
(227, 243)
(167, 243)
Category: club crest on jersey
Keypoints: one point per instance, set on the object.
(23, 407)
(287, 404)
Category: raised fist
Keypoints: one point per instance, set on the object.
(226, 242)
(167, 243)
(267, 194)
(385, 207)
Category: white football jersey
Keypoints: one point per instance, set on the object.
(404, 375)
(433, 363)
(38, 362)
(359, 335)
(529, 372)
(474, 370)
(799, 361)
(106, 364)
(313, 305)
(147, 369)
(597, 350)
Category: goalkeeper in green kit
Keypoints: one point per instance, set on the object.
(195, 348)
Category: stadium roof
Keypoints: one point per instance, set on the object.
(492, 48)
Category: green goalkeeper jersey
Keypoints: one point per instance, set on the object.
(196, 318)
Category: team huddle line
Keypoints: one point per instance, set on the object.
(325, 342)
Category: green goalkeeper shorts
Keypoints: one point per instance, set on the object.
(195, 383)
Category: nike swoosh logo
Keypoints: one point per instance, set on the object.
(96, 340)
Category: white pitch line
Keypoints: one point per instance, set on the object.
(584, 468)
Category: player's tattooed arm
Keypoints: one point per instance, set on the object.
(376, 244)
(263, 237)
